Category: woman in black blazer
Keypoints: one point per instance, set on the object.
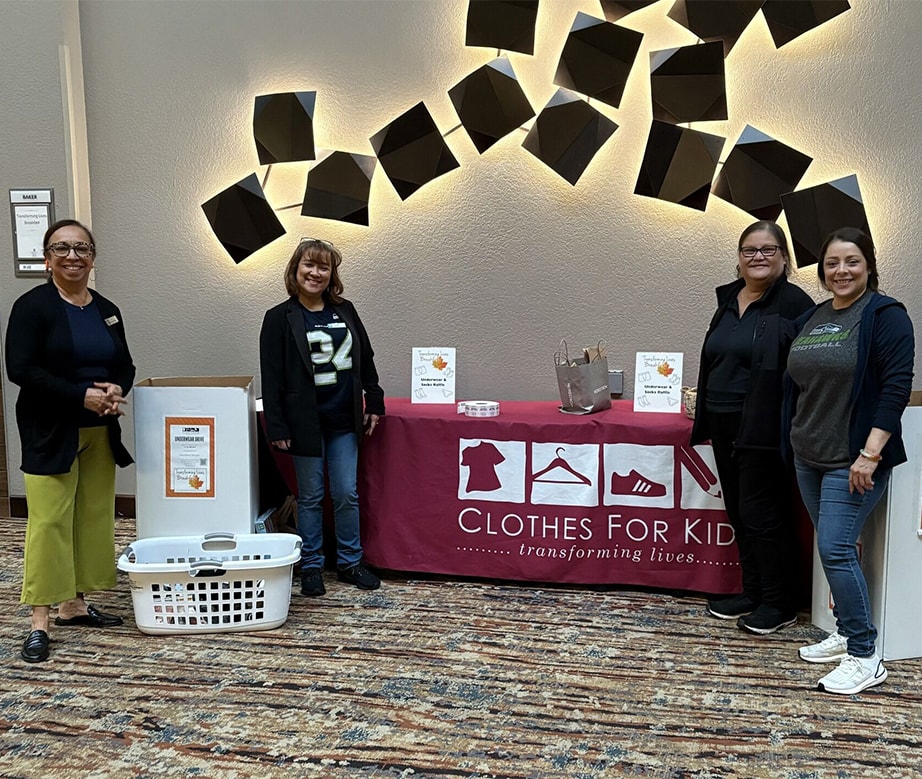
(66, 349)
(320, 392)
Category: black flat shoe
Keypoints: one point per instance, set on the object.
(35, 648)
(93, 618)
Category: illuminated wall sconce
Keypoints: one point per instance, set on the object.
(815, 212)
(688, 84)
(617, 9)
(502, 24)
(678, 165)
(757, 172)
(242, 218)
(567, 134)
(412, 151)
(597, 58)
(338, 187)
(787, 20)
(283, 127)
(716, 20)
(490, 103)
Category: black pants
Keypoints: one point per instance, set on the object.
(759, 495)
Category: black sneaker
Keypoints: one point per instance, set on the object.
(312, 582)
(765, 620)
(360, 576)
(731, 608)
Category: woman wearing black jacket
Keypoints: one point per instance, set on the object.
(739, 410)
(320, 392)
(66, 349)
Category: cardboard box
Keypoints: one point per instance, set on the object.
(891, 554)
(195, 447)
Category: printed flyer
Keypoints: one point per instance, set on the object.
(190, 463)
(433, 378)
(658, 382)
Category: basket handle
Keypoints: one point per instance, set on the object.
(207, 568)
(128, 553)
(218, 541)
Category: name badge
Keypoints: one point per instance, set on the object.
(111, 320)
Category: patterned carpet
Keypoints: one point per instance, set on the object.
(433, 678)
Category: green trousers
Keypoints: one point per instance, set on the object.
(71, 527)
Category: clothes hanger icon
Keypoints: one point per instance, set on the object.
(559, 462)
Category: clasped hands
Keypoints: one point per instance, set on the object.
(105, 398)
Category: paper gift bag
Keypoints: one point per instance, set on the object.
(583, 380)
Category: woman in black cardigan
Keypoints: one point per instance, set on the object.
(320, 392)
(739, 410)
(66, 349)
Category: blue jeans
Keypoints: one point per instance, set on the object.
(839, 517)
(340, 455)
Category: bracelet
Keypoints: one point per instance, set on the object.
(874, 458)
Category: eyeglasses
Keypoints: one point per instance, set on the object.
(751, 251)
(82, 250)
(325, 244)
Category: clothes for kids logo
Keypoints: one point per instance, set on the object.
(564, 474)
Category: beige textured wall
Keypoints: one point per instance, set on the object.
(501, 257)
(34, 143)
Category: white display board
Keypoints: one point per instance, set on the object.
(195, 448)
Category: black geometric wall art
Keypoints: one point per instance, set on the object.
(757, 172)
(788, 19)
(815, 212)
(490, 103)
(597, 58)
(283, 127)
(338, 187)
(502, 24)
(688, 85)
(617, 9)
(715, 20)
(678, 165)
(412, 151)
(242, 219)
(567, 134)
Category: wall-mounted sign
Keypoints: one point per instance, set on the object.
(32, 213)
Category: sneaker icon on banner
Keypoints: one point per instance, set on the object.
(636, 484)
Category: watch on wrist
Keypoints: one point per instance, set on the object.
(874, 458)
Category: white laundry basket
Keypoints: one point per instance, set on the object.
(218, 582)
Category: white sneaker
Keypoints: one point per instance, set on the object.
(854, 674)
(830, 650)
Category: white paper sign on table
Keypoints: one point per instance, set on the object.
(433, 374)
(658, 382)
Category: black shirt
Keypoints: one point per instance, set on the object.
(728, 351)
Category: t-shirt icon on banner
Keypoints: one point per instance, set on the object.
(491, 470)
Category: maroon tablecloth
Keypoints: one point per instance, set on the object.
(615, 497)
